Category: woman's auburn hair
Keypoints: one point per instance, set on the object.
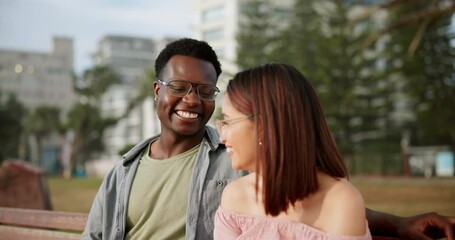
(291, 127)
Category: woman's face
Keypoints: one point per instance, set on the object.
(237, 132)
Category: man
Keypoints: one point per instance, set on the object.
(169, 186)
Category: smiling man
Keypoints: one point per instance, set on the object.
(169, 186)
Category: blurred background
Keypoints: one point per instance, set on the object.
(76, 84)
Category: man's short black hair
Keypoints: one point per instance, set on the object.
(187, 47)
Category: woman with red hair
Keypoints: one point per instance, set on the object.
(298, 188)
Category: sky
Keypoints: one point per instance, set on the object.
(29, 25)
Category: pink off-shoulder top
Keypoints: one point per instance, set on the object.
(231, 225)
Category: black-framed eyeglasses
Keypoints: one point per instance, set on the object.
(181, 88)
(222, 124)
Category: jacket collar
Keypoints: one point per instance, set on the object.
(211, 138)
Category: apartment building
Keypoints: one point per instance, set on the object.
(39, 78)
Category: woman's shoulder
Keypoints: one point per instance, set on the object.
(343, 190)
(343, 209)
(238, 191)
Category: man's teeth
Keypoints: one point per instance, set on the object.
(228, 150)
(187, 114)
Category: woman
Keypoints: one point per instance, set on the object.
(274, 127)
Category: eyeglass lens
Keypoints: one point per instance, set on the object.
(220, 124)
(182, 88)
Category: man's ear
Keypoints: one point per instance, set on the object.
(156, 89)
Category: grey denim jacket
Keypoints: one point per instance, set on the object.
(211, 173)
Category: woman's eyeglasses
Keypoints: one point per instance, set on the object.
(222, 124)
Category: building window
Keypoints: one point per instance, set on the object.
(31, 69)
(213, 14)
(212, 35)
(138, 44)
(56, 70)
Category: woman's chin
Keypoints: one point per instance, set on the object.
(236, 166)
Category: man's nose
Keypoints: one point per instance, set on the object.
(192, 97)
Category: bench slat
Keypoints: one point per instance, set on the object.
(33, 218)
(43, 218)
(19, 233)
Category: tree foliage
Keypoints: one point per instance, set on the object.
(95, 81)
(85, 119)
(41, 123)
(298, 44)
(428, 76)
(320, 41)
(419, 15)
(88, 127)
(256, 32)
(12, 113)
(144, 89)
(360, 87)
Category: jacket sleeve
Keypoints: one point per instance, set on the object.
(94, 227)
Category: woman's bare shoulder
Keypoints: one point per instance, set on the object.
(343, 209)
(236, 193)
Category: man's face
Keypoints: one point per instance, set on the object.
(186, 115)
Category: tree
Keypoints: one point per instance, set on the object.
(298, 44)
(88, 127)
(321, 40)
(95, 81)
(428, 76)
(41, 123)
(84, 119)
(322, 43)
(256, 22)
(144, 89)
(11, 127)
(421, 14)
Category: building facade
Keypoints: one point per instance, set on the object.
(39, 78)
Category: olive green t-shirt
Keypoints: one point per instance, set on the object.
(159, 197)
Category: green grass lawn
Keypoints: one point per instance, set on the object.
(408, 196)
(73, 195)
(401, 196)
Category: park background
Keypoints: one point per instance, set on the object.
(384, 71)
(401, 196)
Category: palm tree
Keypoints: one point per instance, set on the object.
(95, 81)
(84, 119)
(144, 89)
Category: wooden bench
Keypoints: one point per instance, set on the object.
(20, 224)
